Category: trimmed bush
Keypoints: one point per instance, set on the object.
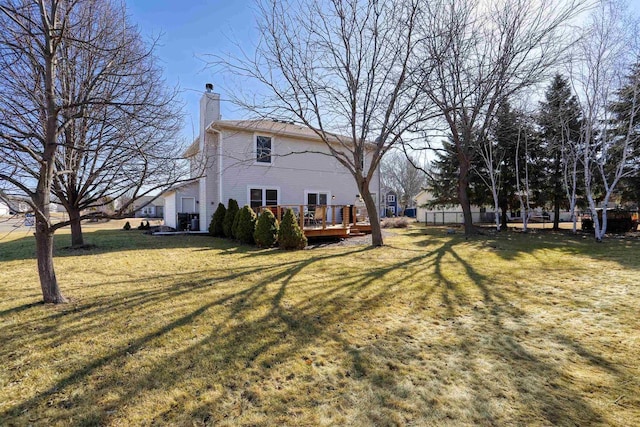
(246, 225)
(127, 226)
(290, 236)
(217, 221)
(229, 217)
(234, 226)
(266, 234)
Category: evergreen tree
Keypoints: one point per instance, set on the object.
(229, 217)
(443, 183)
(217, 221)
(246, 225)
(510, 128)
(290, 236)
(559, 122)
(266, 233)
(626, 118)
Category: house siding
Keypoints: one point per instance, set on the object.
(209, 184)
(296, 166)
(170, 214)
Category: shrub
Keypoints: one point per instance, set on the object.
(141, 226)
(397, 222)
(217, 221)
(290, 236)
(229, 217)
(127, 226)
(234, 226)
(246, 225)
(266, 234)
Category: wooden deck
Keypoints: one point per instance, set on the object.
(318, 221)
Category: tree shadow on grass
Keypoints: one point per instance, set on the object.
(108, 241)
(246, 328)
(510, 244)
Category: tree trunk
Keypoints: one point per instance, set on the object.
(44, 249)
(557, 195)
(372, 211)
(503, 217)
(463, 185)
(77, 240)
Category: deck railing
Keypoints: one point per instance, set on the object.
(322, 216)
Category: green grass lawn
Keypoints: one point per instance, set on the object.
(432, 329)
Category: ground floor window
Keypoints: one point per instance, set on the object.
(317, 198)
(263, 196)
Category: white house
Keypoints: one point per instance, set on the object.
(257, 163)
(149, 207)
(4, 209)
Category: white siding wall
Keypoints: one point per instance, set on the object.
(170, 217)
(173, 203)
(4, 209)
(291, 173)
(208, 194)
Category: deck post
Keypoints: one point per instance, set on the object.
(324, 217)
(345, 215)
(301, 212)
(333, 215)
(354, 211)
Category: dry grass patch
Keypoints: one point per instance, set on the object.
(538, 329)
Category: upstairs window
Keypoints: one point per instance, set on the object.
(391, 198)
(263, 149)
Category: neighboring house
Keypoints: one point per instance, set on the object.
(390, 203)
(4, 209)
(257, 163)
(149, 207)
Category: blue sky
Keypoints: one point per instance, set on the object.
(188, 30)
(191, 29)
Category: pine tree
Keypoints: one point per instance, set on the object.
(626, 120)
(246, 225)
(266, 234)
(229, 217)
(217, 221)
(510, 129)
(559, 121)
(290, 236)
(443, 184)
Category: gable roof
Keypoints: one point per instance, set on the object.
(268, 126)
(273, 127)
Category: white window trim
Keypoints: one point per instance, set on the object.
(391, 198)
(255, 149)
(264, 194)
(307, 192)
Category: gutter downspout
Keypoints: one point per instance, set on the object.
(219, 133)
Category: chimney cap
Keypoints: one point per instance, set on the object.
(209, 87)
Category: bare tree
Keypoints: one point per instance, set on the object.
(493, 50)
(348, 70)
(122, 129)
(399, 173)
(57, 59)
(523, 188)
(608, 51)
(492, 156)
